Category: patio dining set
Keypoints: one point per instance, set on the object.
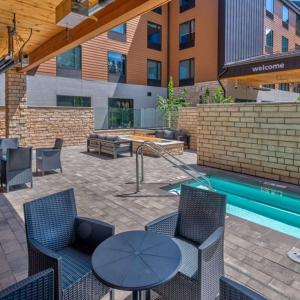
(16, 162)
(178, 256)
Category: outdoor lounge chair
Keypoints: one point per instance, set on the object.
(198, 229)
(36, 287)
(16, 169)
(231, 290)
(48, 159)
(57, 238)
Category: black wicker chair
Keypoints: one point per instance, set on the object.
(36, 287)
(57, 238)
(198, 229)
(48, 159)
(231, 290)
(16, 169)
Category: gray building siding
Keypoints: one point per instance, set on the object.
(241, 29)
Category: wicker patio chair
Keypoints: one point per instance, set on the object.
(36, 287)
(57, 238)
(48, 159)
(231, 290)
(9, 143)
(16, 169)
(198, 229)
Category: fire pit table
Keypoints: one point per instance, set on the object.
(173, 147)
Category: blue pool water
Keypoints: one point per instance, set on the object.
(269, 207)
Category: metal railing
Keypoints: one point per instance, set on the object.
(175, 161)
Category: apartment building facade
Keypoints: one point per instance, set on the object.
(129, 66)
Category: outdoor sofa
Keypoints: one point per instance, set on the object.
(111, 145)
(198, 230)
(57, 238)
(175, 135)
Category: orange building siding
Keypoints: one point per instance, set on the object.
(95, 51)
(205, 51)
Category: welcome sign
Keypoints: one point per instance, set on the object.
(272, 67)
(263, 66)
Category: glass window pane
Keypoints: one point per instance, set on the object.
(116, 67)
(285, 44)
(270, 6)
(154, 36)
(70, 59)
(269, 37)
(73, 101)
(285, 14)
(184, 72)
(154, 70)
(120, 29)
(186, 4)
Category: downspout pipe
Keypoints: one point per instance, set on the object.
(219, 77)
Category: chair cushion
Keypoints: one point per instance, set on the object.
(169, 134)
(189, 253)
(75, 265)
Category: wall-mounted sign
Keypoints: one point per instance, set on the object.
(266, 66)
(271, 67)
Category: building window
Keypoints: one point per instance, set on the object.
(284, 87)
(297, 47)
(158, 10)
(186, 72)
(187, 35)
(269, 86)
(296, 88)
(270, 8)
(120, 113)
(154, 73)
(154, 36)
(73, 101)
(68, 64)
(269, 40)
(285, 16)
(118, 33)
(284, 44)
(298, 25)
(116, 67)
(186, 5)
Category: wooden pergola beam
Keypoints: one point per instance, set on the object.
(114, 14)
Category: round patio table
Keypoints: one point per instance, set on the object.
(136, 261)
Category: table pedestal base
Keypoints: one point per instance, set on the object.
(140, 295)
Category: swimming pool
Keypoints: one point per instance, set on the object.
(266, 206)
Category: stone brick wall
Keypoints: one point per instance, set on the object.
(188, 121)
(256, 139)
(2, 121)
(16, 105)
(44, 124)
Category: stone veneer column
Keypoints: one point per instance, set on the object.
(16, 105)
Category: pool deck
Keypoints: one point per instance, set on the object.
(254, 255)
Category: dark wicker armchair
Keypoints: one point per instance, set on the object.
(198, 229)
(16, 169)
(231, 290)
(57, 238)
(48, 159)
(36, 287)
(9, 143)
